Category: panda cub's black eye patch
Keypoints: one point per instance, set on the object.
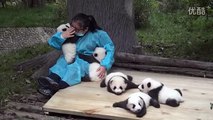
(114, 88)
(142, 86)
(96, 55)
(64, 29)
(149, 85)
(133, 106)
(121, 88)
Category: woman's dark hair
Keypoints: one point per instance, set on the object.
(86, 21)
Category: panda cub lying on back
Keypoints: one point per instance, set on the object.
(69, 46)
(118, 83)
(137, 103)
(157, 90)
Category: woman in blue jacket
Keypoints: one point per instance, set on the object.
(91, 36)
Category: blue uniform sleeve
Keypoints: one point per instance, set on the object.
(56, 41)
(106, 42)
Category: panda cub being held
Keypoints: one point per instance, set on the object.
(68, 46)
(137, 103)
(158, 91)
(118, 83)
(94, 64)
(99, 54)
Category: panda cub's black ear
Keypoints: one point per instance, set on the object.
(130, 78)
(103, 83)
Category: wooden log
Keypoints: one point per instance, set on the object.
(150, 63)
(162, 61)
(48, 58)
(176, 70)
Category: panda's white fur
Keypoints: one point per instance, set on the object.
(68, 49)
(116, 75)
(118, 82)
(134, 99)
(99, 54)
(137, 103)
(164, 94)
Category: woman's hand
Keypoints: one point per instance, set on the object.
(102, 71)
(69, 33)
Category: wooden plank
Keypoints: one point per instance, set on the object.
(88, 99)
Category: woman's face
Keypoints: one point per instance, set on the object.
(79, 31)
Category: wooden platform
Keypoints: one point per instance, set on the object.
(88, 99)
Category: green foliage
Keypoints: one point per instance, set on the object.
(47, 16)
(169, 5)
(62, 10)
(178, 35)
(199, 3)
(12, 81)
(142, 10)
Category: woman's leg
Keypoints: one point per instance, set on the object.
(51, 81)
(47, 90)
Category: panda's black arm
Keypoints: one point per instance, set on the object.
(154, 103)
(103, 83)
(130, 78)
(71, 40)
(121, 104)
(86, 78)
(89, 58)
(130, 85)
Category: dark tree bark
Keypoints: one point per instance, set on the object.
(114, 16)
(33, 3)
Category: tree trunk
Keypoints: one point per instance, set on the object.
(33, 3)
(114, 16)
(44, 62)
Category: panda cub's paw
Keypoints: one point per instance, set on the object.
(154, 103)
(172, 102)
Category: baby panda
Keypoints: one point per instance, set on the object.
(94, 63)
(137, 103)
(118, 83)
(69, 46)
(157, 90)
(99, 54)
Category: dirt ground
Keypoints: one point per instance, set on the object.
(28, 106)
